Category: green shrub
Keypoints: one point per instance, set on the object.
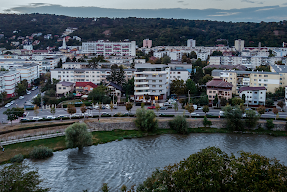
(17, 158)
(206, 122)
(108, 115)
(269, 124)
(146, 120)
(179, 124)
(41, 153)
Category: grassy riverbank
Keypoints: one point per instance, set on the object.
(101, 137)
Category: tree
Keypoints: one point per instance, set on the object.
(269, 124)
(20, 89)
(217, 53)
(215, 101)
(190, 85)
(275, 111)
(281, 104)
(129, 106)
(178, 87)
(261, 109)
(242, 107)
(179, 124)
(60, 63)
(223, 101)
(111, 106)
(71, 109)
(53, 110)
(189, 107)
(120, 76)
(205, 79)
(36, 110)
(236, 101)
(183, 102)
(233, 118)
(206, 122)
(19, 177)
(269, 102)
(77, 135)
(165, 59)
(205, 109)
(83, 108)
(251, 118)
(14, 113)
(251, 172)
(146, 120)
(175, 106)
(128, 87)
(93, 63)
(157, 107)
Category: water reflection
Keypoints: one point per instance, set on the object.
(131, 161)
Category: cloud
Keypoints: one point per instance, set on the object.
(254, 14)
(247, 1)
(180, 1)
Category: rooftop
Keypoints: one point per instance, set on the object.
(218, 83)
(251, 89)
(84, 84)
(65, 83)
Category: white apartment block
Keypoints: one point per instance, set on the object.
(30, 72)
(95, 76)
(75, 65)
(151, 80)
(181, 74)
(253, 95)
(202, 55)
(107, 48)
(191, 43)
(239, 45)
(8, 82)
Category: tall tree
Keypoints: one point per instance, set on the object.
(190, 85)
(178, 87)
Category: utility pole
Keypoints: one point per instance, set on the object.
(188, 97)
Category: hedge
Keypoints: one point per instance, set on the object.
(166, 115)
(78, 105)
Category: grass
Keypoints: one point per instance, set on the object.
(100, 137)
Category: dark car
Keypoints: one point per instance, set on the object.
(163, 108)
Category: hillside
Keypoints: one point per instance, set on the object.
(161, 31)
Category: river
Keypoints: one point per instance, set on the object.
(131, 161)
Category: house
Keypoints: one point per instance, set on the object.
(218, 87)
(63, 88)
(85, 87)
(115, 90)
(253, 95)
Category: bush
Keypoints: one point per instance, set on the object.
(269, 124)
(251, 118)
(233, 118)
(179, 124)
(146, 120)
(166, 115)
(77, 135)
(17, 158)
(206, 122)
(41, 153)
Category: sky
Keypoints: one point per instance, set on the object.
(221, 10)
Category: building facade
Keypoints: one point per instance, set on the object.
(218, 87)
(253, 95)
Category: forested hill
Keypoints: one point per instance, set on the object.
(161, 31)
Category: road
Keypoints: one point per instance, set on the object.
(121, 109)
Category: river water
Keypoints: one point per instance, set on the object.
(131, 161)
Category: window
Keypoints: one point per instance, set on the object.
(160, 86)
(265, 84)
(64, 87)
(209, 96)
(230, 78)
(260, 75)
(59, 75)
(280, 78)
(210, 91)
(265, 80)
(261, 93)
(153, 86)
(64, 72)
(153, 75)
(255, 75)
(59, 71)
(160, 75)
(178, 72)
(255, 79)
(60, 87)
(87, 75)
(255, 101)
(259, 79)
(160, 80)
(254, 84)
(265, 75)
(259, 84)
(153, 90)
(160, 91)
(255, 92)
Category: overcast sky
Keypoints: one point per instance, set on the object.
(222, 10)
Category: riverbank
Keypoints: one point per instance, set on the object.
(101, 137)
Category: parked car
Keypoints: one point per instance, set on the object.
(163, 108)
(107, 106)
(200, 108)
(28, 92)
(23, 119)
(103, 107)
(105, 113)
(151, 107)
(34, 88)
(37, 118)
(115, 106)
(194, 114)
(75, 115)
(50, 117)
(221, 113)
(21, 97)
(167, 104)
(61, 116)
(12, 102)
(90, 107)
(7, 105)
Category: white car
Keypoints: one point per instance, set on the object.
(108, 106)
(37, 118)
(194, 114)
(12, 102)
(221, 113)
(7, 105)
(28, 93)
(50, 117)
(21, 97)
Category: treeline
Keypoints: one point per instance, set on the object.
(161, 31)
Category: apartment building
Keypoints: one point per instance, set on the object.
(239, 45)
(63, 88)
(191, 43)
(269, 80)
(253, 95)
(151, 80)
(30, 72)
(218, 87)
(147, 43)
(107, 48)
(8, 82)
(95, 76)
(181, 74)
(75, 65)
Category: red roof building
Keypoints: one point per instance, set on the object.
(218, 87)
(85, 87)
